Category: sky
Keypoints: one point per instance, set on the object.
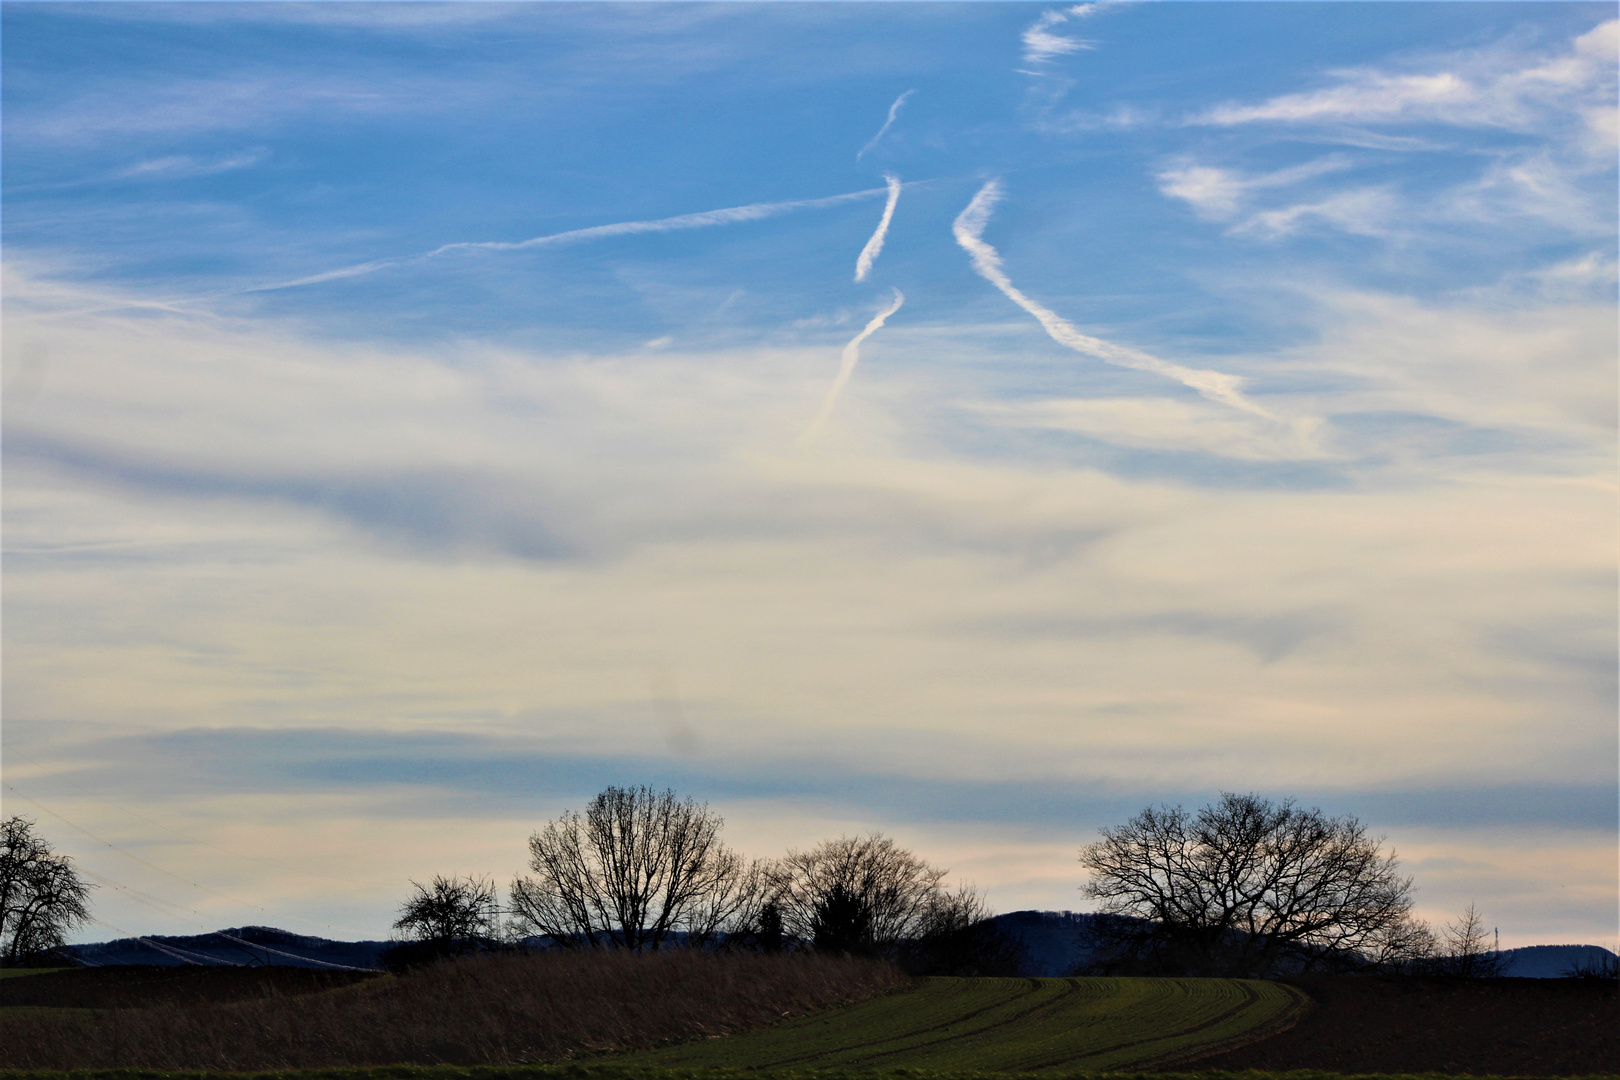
(975, 422)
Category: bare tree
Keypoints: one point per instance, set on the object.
(857, 894)
(452, 910)
(1246, 887)
(1467, 949)
(958, 937)
(41, 895)
(639, 866)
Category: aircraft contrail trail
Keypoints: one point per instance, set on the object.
(852, 356)
(894, 111)
(869, 253)
(969, 225)
(728, 216)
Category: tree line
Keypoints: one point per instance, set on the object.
(1245, 886)
(642, 870)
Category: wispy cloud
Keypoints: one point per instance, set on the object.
(894, 112)
(968, 229)
(1481, 88)
(731, 215)
(1219, 194)
(851, 357)
(182, 165)
(1041, 44)
(170, 167)
(874, 246)
(1365, 211)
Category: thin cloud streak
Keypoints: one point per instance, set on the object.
(731, 215)
(968, 228)
(852, 356)
(894, 112)
(874, 246)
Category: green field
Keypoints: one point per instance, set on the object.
(1011, 1025)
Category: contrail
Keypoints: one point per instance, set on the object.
(852, 356)
(967, 228)
(874, 246)
(729, 216)
(894, 111)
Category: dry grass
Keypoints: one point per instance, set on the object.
(487, 1010)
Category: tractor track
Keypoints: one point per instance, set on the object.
(1033, 987)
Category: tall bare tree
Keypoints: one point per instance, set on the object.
(1245, 886)
(1468, 949)
(638, 867)
(857, 893)
(41, 895)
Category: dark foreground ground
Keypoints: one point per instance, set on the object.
(1523, 1027)
(1527, 1027)
(135, 986)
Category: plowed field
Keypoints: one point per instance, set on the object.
(1022, 1025)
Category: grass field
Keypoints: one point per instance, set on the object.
(609, 1072)
(1011, 1025)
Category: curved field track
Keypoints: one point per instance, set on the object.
(1013, 1025)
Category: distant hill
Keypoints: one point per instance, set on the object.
(243, 945)
(1054, 941)
(1552, 961)
(1055, 944)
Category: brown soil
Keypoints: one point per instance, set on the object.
(134, 986)
(1527, 1027)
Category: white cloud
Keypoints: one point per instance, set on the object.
(1041, 45)
(1542, 369)
(1368, 211)
(1219, 194)
(1562, 100)
(1490, 87)
(1162, 424)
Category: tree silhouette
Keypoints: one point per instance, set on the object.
(41, 895)
(639, 866)
(1245, 886)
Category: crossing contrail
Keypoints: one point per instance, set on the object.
(852, 356)
(874, 246)
(968, 227)
(730, 215)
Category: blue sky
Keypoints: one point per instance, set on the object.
(418, 415)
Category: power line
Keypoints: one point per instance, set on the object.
(128, 855)
(158, 904)
(152, 865)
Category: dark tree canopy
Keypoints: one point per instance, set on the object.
(1246, 886)
(41, 895)
(451, 910)
(856, 893)
(639, 866)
